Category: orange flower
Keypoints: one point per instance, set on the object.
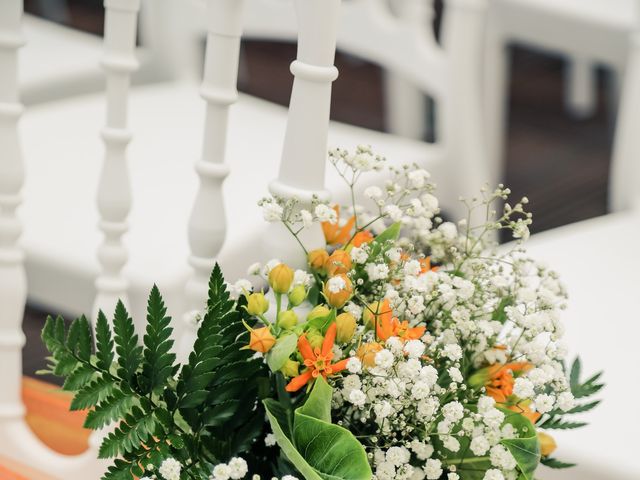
(317, 258)
(338, 290)
(334, 233)
(425, 263)
(338, 262)
(524, 409)
(367, 353)
(376, 312)
(261, 340)
(317, 361)
(364, 236)
(500, 380)
(386, 329)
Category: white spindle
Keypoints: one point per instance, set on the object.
(114, 190)
(304, 154)
(13, 283)
(207, 224)
(16, 439)
(405, 103)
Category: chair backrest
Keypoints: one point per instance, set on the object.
(624, 183)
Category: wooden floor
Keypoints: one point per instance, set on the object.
(560, 163)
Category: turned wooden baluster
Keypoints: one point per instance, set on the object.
(405, 103)
(16, 439)
(304, 154)
(207, 224)
(13, 283)
(114, 190)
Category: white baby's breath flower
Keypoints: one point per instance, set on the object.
(222, 471)
(336, 284)
(544, 403)
(354, 365)
(307, 218)
(326, 214)
(523, 388)
(170, 469)
(272, 212)
(373, 192)
(493, 474)
(357, 397)
(377, 271)
(238, 468)
(414, 348)
(566, 401)
(433, 469)
(359, 255)
(270, 440)
(384, 358)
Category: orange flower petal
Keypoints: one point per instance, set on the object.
(329, 338)
(305, 348)
(298, 382)
(339, 366)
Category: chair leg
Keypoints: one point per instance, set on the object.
(405, 107)
(496, 87)
(580, 88)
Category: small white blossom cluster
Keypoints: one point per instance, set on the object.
(235, 469)
(289, 211)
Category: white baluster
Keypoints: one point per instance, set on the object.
(304, 154)
(13, 283)
(114, 190)
(207, 224)
(406, 104)
(16, 439)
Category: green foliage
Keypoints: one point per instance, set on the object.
(281, 351)
(206, 415)
(559, 420)
(315, 446)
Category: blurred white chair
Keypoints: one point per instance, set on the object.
(586, 32)
(599, 261)
(62, 152)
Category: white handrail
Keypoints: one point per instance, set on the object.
(207, 224)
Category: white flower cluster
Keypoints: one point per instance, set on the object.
(234, 470)
(277, 209)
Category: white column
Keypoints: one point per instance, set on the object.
(16, 439)
(13, 283)
(207, 224)
(406, 106)
(624, 184)
(114, 189)
(581, 88)
(304, 154)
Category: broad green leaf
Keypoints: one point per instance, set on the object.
(319, 449)
(318, 405)
(391, 233)
(281, 351)
(526, 448)
(321, 323)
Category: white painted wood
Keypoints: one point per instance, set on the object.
(581, 87)
(304, 153)
(207, 224)
(586, 32)
(16, 439)
(624, 186)
(114, 189)
(405, 105)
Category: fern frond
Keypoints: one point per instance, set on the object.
(127, 348)
(112, 408)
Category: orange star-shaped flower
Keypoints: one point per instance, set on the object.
(335, 234)
(318, 361)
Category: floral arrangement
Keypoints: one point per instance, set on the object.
(409, 348)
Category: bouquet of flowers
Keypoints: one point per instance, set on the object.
(409, 348)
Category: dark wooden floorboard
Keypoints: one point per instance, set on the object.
(560, 163)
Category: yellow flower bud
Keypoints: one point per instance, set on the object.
(290, 368)
(317, 259)
(346, 327)
(280, 278)
(547, 444)
(257, 304)
(297, 295)
(318, 311)
(287, 319)
(261, 340)
(367, 353)
(315, 338)
(338, 262)
(338, 290)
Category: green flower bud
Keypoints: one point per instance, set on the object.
(257, 304)
(297, 295)
(287, 319)
(315, 338)
(318, 312)
(291, 368)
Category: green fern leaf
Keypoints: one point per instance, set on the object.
(127, 348)
(158, 362)
(92, 394)
(554, 463)
(132, 433)
(79, 378)
(104, 343)
(120, 470)
(113, 408)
